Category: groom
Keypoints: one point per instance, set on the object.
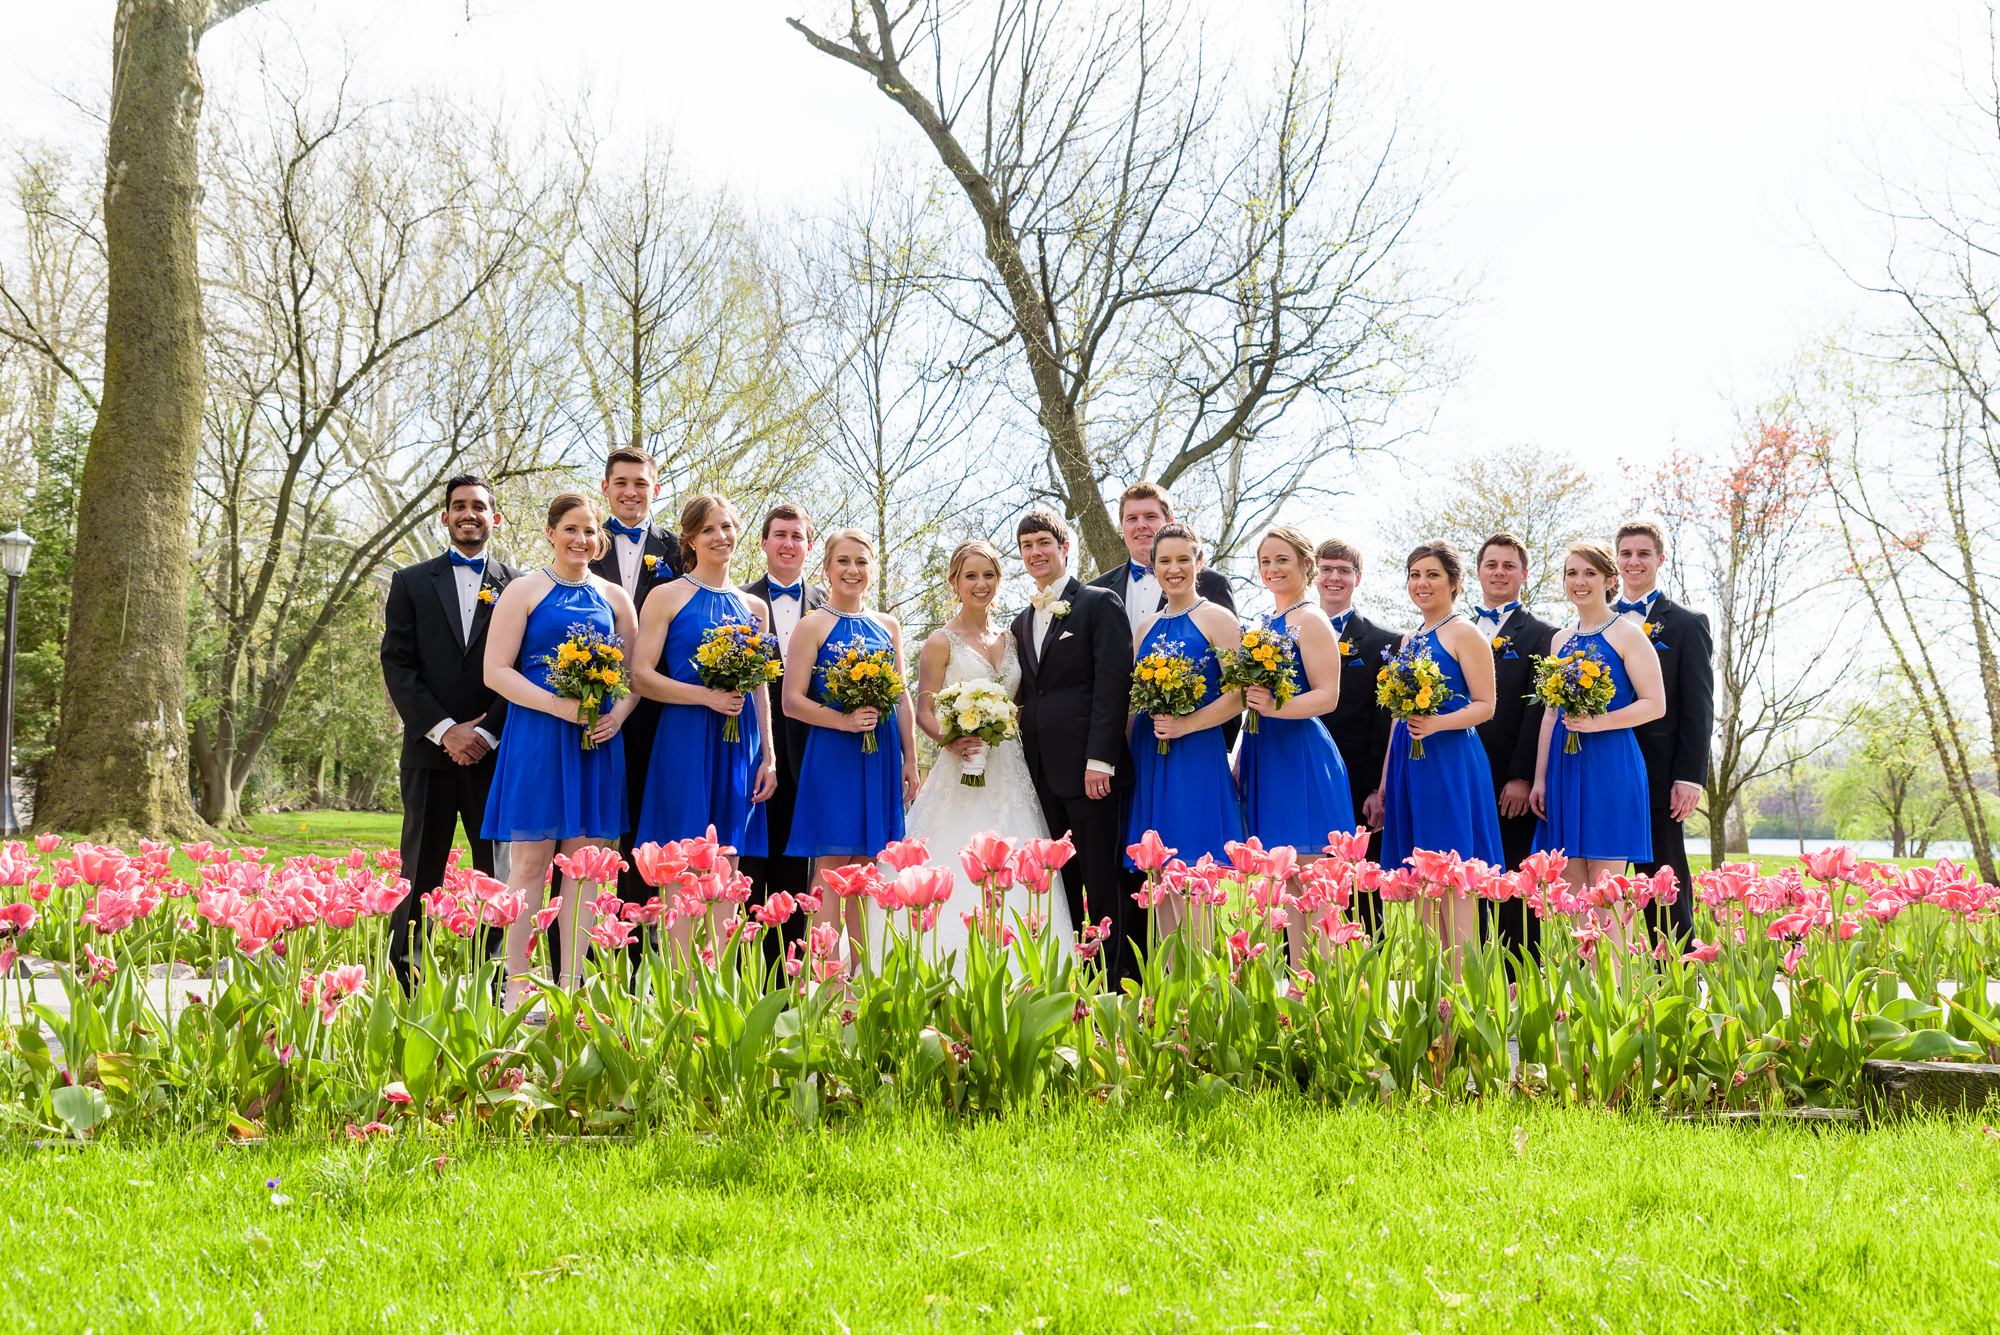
(1076, 675)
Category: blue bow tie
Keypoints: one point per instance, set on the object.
(797, 591)
(470, 562)
(626, 530)
(1340, 622)
(1496, 614)
(1640, 606)
(1140, 572)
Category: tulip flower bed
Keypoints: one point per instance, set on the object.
(1246, 1213)
(1794, 981)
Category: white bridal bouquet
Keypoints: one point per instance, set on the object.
(977, 709)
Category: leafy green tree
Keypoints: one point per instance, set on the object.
(1891, 785)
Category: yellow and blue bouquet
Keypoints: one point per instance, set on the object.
(589, 668)
(1266, 656)
(1167, 681)
(1411, 685)
(736, 658)
(862, 679)
(1578, 683)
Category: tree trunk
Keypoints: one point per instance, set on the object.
(1735, 830)
(120, 764)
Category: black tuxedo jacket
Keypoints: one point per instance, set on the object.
(1076, 697)
(659, 543)
(1210, 584)
(1359, 726)
(1515, 730)
(432, 670)
(788, 735)
(1676, 744)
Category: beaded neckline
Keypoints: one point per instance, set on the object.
(583, 583)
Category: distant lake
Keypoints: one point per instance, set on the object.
(1957, 849)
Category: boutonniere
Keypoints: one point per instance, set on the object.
(487, 595)
(1499, 643)
(1652, 629)
(1059, 609)
(652, 565)
(1346, 648)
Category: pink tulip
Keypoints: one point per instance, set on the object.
(1793, 957)
(1830, 864)
(1702, 954)
(1349, 847)
(611, 933)
(1054, 853)
(855, 879)
(47, 843)
(1247, 857)
(546, 915)
(907, 853)
(18, 917)
(503, 908)
(1343, 933)
(776, 910)
(606, 904)
(987, 858)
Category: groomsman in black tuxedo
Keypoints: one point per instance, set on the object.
(433, 647)
(1143, 510)
(788, 541)
(1676, 744)
(640, 555)
(1076, 682)
(1518, 636)
(1359, 726)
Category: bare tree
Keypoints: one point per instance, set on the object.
(903, 410)
(351, 250)
(682, 334)
(1176, 278)
(1543, 498)
(120, 766)
(52, 305)
(1752, 550)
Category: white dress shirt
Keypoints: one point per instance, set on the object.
(631, 560)
(786, 610)
(468, 582)
(1141, 595)
(1495, 632)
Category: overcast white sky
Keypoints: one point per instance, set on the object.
(1634, 181)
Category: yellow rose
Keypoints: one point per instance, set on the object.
(968, 720)
(1424, 698)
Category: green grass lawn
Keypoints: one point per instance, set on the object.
(1265, 1215)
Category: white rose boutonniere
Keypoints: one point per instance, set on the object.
(1059, 609)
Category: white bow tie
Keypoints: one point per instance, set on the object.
(1047, 598)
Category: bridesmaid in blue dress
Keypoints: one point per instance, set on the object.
(1594, 804)
(700, 779)
(1187, 795)
(850, 801)
(1443, 801)
(1295, 787)
(549, 794)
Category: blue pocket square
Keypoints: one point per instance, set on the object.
(1357, 661)
(1510, 653)
(1661, 645)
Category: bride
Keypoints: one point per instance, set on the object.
(947, 813)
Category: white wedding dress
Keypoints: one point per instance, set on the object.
(947, 814)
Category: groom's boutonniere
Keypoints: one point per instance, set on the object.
(1058, 609)
(487, 595)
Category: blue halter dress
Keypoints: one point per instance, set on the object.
(1295, 788)
(697, 779)
(1442, 801)
(1188, 795)
(545, 785)
(850, 802)
(1597, 799)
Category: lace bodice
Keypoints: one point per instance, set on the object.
(968, 664)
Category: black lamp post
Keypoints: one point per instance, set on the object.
(14, 549)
